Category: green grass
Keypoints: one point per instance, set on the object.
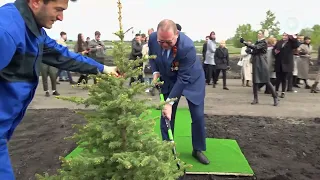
(225, 154)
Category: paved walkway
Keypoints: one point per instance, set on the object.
(236, 101)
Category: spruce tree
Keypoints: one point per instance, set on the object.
(118, 138)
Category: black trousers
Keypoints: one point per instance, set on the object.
(281, 79)
(101, 61)
(273, 82)
(224, 76)
(290, 81)
(140, 78)
(269, 86)
(83, 77)
(50, 71)
(210, 72)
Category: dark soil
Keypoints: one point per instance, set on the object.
(277, 149)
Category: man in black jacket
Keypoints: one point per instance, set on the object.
(136, 52)
(204, 48)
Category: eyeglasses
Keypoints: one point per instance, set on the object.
(169, 42)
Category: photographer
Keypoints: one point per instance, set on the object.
(260, 70)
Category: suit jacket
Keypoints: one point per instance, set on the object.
(189, 79)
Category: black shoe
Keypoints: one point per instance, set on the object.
(307, 87)
(152, 93)
(313, 91)
(314, 88)
(200, 157)
(214, 85)
(255, 101)
(55, 93)
(225, 88)
(47, 94)
(283, 95)
(275, 101)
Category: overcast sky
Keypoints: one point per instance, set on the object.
(197, 18)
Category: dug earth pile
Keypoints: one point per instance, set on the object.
(276, 148)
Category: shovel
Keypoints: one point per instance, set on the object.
(170, 135)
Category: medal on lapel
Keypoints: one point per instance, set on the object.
(175, 66)
(175, 63)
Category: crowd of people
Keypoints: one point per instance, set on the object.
(96, 50)
(286, 61)
(288, 67)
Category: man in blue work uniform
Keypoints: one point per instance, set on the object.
(179, 68)
(24, 45)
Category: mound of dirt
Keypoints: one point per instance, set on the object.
(277, 149)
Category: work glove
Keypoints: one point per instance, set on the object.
(113, 70)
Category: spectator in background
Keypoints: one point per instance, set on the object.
(209, 62)
(305, 57)
(260, 69)
(87, 41)
(143, 39)
(204, 48)
(246, 69)
(283, 52)
(221, 60)
(147, 71)
(136, 52)
(316, 82)
(97, 50)
(81, 47)
(296, 61)
(61, 73)
(300, 41)
(50, 71)
(150, 31)
(179, 27)
(271, 42)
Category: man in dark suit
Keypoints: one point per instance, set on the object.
(204, 48)
(178, 66)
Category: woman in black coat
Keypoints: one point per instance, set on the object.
(283, 52)
(260, 69)
(221, 59)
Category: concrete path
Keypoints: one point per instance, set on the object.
(236, 101)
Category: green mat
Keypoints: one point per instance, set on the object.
(225, 154)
